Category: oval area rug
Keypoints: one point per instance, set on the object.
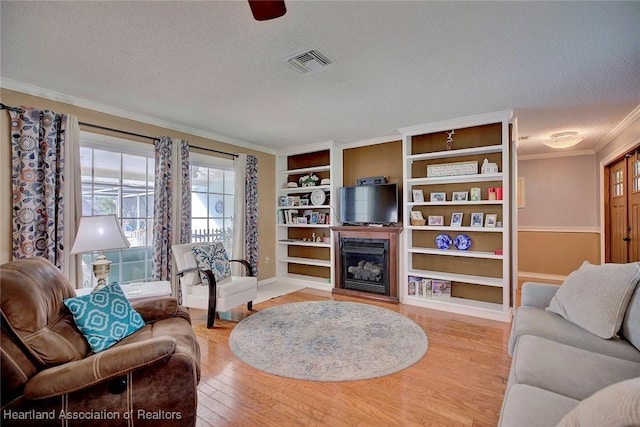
(328, 341)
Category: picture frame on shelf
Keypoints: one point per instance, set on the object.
(428, 287)
(438, 197)
(416, 215)
(460, 196)
(322, 218)
(301, 220)
(314, 218)
(281, 216)
(476, 194)
(456, 219)
(291, 201)
(436, 220)
(412, 285)
(491, 220)
(441, 288)
(283, 201)
(418, 196)
(304, 202)
(477, 219)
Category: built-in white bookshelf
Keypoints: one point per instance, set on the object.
(305, 249)
(482, 277)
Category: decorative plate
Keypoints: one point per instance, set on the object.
(462, 242)
(443, 241)
(317, 197)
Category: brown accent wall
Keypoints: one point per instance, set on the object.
(266, 166)
(374, 160)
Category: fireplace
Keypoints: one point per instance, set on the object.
(366, 262)
(365, 265)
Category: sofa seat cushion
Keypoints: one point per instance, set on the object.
(595, 297)
(230, 286)
(566, 370)
(541, 323)
(616, 405)
(529, 406)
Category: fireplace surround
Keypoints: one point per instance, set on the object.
(366, 262)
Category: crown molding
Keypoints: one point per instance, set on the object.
(559, 154)
(373, 141)
(624, 124)
(107, 109)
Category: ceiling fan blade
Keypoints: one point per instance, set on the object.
(264, 10)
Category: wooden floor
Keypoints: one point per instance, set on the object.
(459, 382)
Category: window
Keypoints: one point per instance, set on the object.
(118, 178)
(212, 196)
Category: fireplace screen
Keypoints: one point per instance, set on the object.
(365, 265)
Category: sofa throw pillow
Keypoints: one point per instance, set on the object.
(213, 257)
(104, 317)
(595, 297)
(616, 405)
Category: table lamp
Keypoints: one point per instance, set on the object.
(99, 233)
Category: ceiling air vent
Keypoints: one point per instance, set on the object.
(310, 61)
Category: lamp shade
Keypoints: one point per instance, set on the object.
(99, 233)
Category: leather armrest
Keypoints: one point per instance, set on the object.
(246, 264)
(111, 363)
(157, 309)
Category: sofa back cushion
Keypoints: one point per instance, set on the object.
(595, 297)
(631, 323)
(32, 292)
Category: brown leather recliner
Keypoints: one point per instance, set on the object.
(50, 376)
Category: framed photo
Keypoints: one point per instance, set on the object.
(322, 218)
(459, 196)
(301, 220)
(477, 219)
(436, 220)
(314, 218)
(416, 215)
(476, 194)
(291, 201)
(456, 219)
(438, 197)
(490, 220)
(283, 200)
(304, 202)
(418, 196)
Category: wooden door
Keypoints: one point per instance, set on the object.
(623, 209)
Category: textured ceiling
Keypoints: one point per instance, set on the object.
(208, 65)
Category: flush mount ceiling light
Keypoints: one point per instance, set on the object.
(563, 140)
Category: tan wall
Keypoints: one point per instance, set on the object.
(374, 160)
(266, 167)
(556, 252)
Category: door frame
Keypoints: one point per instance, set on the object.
(603, 182)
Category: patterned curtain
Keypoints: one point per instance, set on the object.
(245, 225)
(173, 181)
(38, 164)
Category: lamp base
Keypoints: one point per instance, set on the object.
(101, 268)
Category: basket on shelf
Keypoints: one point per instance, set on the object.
(418, 221)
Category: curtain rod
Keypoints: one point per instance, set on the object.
(154, 138)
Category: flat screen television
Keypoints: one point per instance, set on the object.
(369, 204)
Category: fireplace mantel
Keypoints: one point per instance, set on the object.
(367, 232)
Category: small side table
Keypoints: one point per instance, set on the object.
(140, 291)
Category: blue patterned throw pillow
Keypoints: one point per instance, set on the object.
(104, 317)
(214, 257)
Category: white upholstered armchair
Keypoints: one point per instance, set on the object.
(224, 291)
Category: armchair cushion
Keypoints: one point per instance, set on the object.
(104, 317)
(212, 257)
(99, 367)
(595, 297)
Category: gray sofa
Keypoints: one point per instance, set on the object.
(556, 365)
